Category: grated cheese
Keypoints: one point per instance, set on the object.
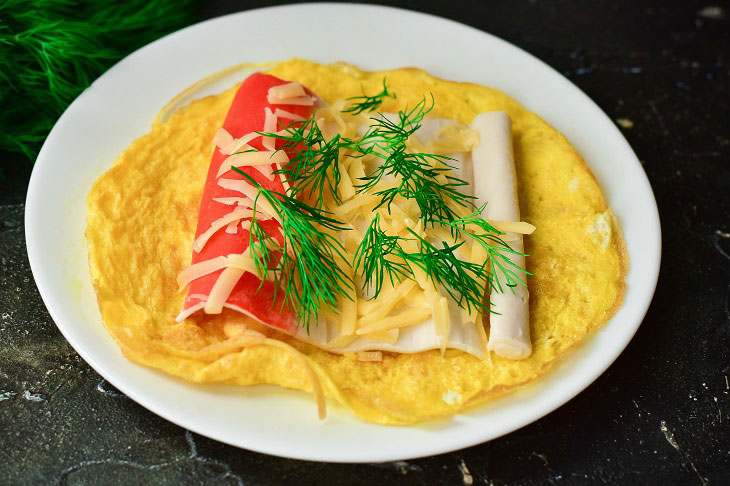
(519, 227)
(266, 171)
(288, 90)
(343, 212)
(370, 356)
(404, 319)
(390, 336)
(309, 370)
(270, 121)
(253, 159)
(222, 138)
(375, 310)
(249, 191)
(199, 269)
(232, 228)
(235, 215)
(341, 341)
(231, 201)
(279, 113)
(222, 290)
(346, 188)
(241, 261)
(299, 100)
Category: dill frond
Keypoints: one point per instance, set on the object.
(305, 266)
(315, 168)
(368, 103)
(464, 281)
(489, 238)
(422, 177)
(374, 258)
(51, 50)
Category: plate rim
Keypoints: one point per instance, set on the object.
(33, 204)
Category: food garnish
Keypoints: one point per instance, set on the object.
(304, 265)
(422, 177)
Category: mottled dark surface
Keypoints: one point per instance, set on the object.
(661, 414)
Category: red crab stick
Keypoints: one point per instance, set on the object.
(247, 114)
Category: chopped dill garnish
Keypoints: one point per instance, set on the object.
(316, 163)
(305, 266)
(397, 132)
(380, 255)
(369, 103)
(373, 258)
(498, 251)
(420, 181)
(422, 177)
(464, 281)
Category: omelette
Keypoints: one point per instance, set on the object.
(146, 216)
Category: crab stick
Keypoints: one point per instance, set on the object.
(495, 183)
(231, 282)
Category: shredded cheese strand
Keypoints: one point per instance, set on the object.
(519, 227)
(233, 201)
(270, 121)
(370, 356)
(279, 113)
(253, 159)
(299, 100)
(222, 289)
(389, 336)
(241, 261)
(249, 337)
(404, 319)
(375, 310)
(309, 370)
(235, 215)
(288, 90)
(249, 191)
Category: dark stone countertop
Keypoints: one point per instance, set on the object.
(660, 414)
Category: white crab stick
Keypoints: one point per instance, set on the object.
(425, 336)
(496, 184)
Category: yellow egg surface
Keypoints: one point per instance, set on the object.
(141, 223)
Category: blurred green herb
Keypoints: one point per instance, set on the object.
(51, 50)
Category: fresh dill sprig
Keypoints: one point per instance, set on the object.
(423, 177)
(374, 258)
(498, 251)
(397, 132)
(305, 265)
(369, 103)
(418, 180)
(51, 50)
(380, 254)
(316, 163)
(464, 281)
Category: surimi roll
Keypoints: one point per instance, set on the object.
(496, 185)
(222, 273)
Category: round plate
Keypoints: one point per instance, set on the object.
(120, 107)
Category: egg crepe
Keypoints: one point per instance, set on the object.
(143, 213)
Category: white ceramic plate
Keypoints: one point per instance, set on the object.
(120, 106)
